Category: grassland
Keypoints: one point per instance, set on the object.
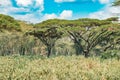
(58, 68)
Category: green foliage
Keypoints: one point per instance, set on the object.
(15, 44)
(84, 22)
(86, 35)
(116, 3)
(8, 23)
(111, 54)
(50, 23)
(113, 41)
(64, 46)
(48, 37)
(86, 41)
(87, 22)
(93, 33)
(112, 19)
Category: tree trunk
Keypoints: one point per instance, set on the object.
(49, 51)
(78, 49)
(86, 54)
(22, 50)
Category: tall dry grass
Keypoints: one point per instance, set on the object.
(58, 68)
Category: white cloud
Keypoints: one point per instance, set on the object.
(24, 2)
(28, 3)
(31, 15)
(106, 13)
(49, 16)
(39, 2)
(5, 3)
(24, 6)
(104, 1)
(60, 1)
(65, 14)
(28, 17)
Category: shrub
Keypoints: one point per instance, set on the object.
(111, 54)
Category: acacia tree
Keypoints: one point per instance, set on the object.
(48, 37)
(85, 36)
(88, 40)
(115, 39)
(74, 26)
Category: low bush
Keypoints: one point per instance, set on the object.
(111, 54)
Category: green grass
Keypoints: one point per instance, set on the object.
(58, 68)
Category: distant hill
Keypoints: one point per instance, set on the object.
(9, 25)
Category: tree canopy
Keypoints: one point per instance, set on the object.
(116, 3)
(48, 37)
(86, 33)
(8, 23)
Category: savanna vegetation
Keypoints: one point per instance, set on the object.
(88, 37)
(56, 49)
(58, 68)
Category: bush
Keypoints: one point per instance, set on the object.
(15, 44)
(111, 54)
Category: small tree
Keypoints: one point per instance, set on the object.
(48, 37)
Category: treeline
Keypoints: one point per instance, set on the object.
(87, 34)
(88, 37)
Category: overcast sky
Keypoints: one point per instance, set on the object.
(40, 10)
